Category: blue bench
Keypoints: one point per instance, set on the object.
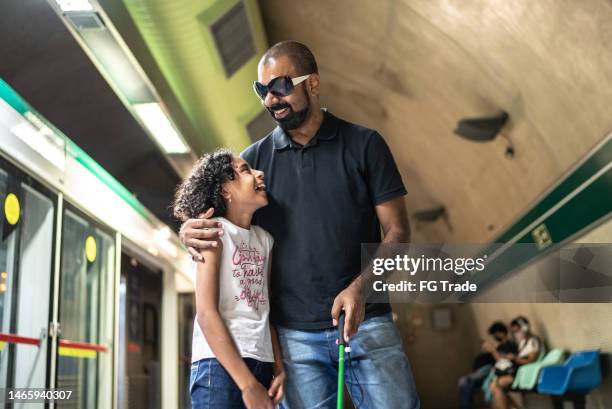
(527, 376)
(573, 380)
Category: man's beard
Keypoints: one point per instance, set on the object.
(293, 120)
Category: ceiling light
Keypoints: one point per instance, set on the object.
(160, 127)
(430, 215)
(74, 5)
(485, 129)
(481, 129)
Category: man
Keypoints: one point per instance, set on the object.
(331, 186)
(471, 383)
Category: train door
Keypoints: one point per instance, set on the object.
(140, 297)
(186, 314)
(26, 266)
(84, 352)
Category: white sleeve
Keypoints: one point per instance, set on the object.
(270, 241)
(532, 345)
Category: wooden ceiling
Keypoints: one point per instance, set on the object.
(411, 69)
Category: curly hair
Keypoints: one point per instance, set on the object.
(202, 189)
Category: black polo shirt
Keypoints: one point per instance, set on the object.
(321, 208)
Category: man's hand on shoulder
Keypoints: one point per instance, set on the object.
(200, 234)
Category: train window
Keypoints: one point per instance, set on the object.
(26, 261)
(139, 376)
(85, 347)
(7, 265)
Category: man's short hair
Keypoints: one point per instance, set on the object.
(302, 58)
(498, 326)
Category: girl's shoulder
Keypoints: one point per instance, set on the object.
(235, 233)
(263, 235)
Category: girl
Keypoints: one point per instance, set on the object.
(236, 360)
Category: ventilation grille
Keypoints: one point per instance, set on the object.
(85, 20)
(260, 126)
(233, 38)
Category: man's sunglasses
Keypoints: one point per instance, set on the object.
(279, 86)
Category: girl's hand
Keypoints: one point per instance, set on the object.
(255, 397)
(277, 389)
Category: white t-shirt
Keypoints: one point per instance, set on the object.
(243, 293)
(525, 347)
(528, 346)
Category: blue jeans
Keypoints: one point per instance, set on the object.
(469, 386)
(377, 377)
(212, 387)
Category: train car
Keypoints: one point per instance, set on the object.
(91, 282)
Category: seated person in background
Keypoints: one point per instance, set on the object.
(529, 350)
(469, 384)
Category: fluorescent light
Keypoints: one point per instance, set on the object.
(74, 5)
(42, 139)
(160, 127)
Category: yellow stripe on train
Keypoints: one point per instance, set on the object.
(77, 352)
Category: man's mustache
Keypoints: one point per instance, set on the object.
(276, 107)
